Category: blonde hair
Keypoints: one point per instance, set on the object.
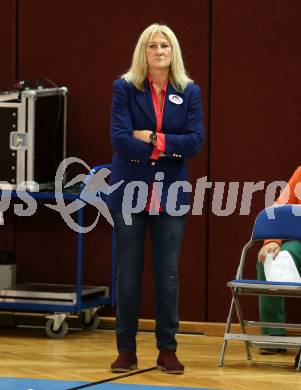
(138, 70)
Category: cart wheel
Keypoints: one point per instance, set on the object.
(91, 325)
(56, 334)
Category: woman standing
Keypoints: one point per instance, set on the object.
(156, 126)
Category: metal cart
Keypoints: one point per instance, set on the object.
(63, 300)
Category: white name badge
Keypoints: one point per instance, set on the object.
(175, 99)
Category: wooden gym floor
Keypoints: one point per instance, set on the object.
(86, 357)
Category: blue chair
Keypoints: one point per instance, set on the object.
(276, 222)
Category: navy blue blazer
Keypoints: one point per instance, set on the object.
(132, 109)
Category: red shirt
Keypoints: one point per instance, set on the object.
(160, 147)
(153, 201)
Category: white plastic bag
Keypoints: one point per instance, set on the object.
(281, 269)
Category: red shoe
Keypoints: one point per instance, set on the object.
(168, 362)
(126, 361)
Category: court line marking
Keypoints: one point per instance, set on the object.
(114, 378)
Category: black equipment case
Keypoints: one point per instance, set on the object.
(32, 137)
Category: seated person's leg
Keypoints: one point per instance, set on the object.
(294, 248)
(271, 309)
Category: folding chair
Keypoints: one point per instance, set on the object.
(276, 222)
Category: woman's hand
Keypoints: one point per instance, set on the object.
(142, 135)
(270, 247)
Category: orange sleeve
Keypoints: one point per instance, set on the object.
(290, 195)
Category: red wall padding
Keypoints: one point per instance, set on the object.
(8, 44)
(246, 57)
(256, 121)
(7, 78)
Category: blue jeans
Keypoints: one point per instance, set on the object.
(166, 236)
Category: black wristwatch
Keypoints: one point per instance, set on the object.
(153, 137)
